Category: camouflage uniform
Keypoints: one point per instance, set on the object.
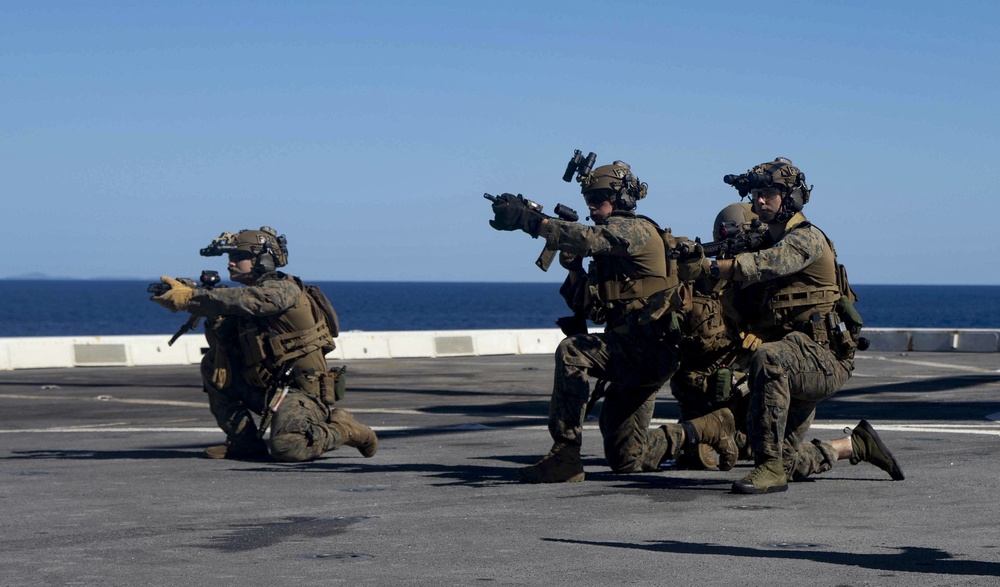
(715, 353)
(713, 365)
(784, 286)
(300, 430)
(629, 265)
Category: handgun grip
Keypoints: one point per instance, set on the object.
(544, 260)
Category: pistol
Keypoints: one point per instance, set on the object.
(208, 279)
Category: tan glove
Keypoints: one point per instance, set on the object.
(177, 298)
(750, 341)
(220, 369)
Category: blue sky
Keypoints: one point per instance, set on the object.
(133, 133)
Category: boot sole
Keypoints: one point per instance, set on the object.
(523, 478)
(897, 472)
(750, 489)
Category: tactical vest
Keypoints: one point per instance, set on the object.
(790, 302)
(300, 334)
(703, 329)
(618, 285)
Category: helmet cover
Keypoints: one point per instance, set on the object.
(617, 178)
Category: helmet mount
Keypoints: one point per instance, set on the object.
(269, 250)
(617, 178)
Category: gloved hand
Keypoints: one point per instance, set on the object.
(511, 213)
(177, 298)
(750, 341)
(692, 264)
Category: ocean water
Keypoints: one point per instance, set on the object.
(91, 307)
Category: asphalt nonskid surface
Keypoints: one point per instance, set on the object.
(102, 483)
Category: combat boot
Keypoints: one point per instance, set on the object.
(717, 430)
(216, 452)
(767, 477)
(561, 465)
(868, 447)
(697, 457)
(240, 450)
(354, 433)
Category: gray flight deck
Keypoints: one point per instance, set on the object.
(101, 484)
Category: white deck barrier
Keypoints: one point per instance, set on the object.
(104, 351)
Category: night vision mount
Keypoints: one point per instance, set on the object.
(222, 245)
(749, 181)
(579, 165)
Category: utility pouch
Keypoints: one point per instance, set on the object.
(720, 383)
(816, 329)
(849, 315)
(333, 385)
(841, 341)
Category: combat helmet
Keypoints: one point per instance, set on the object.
(625, 187)
(269, 250)
(732, 220)
(790, 180)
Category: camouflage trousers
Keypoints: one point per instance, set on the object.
(299, 429)
(787, 379)
(635, 368)
(695, 400)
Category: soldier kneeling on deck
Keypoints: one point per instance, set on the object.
(267, 343)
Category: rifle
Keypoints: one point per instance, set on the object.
(208, 279)
(562, 212)
(742, 241)
(275, 394)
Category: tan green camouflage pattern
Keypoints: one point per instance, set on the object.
(299, 430)
(633, 361)
(274, 303)
(266, 297)
(709, 343)
(790, 373)
(794, 252)
(636, 367)
(787, 379)
(629, 264)
(623, 235)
